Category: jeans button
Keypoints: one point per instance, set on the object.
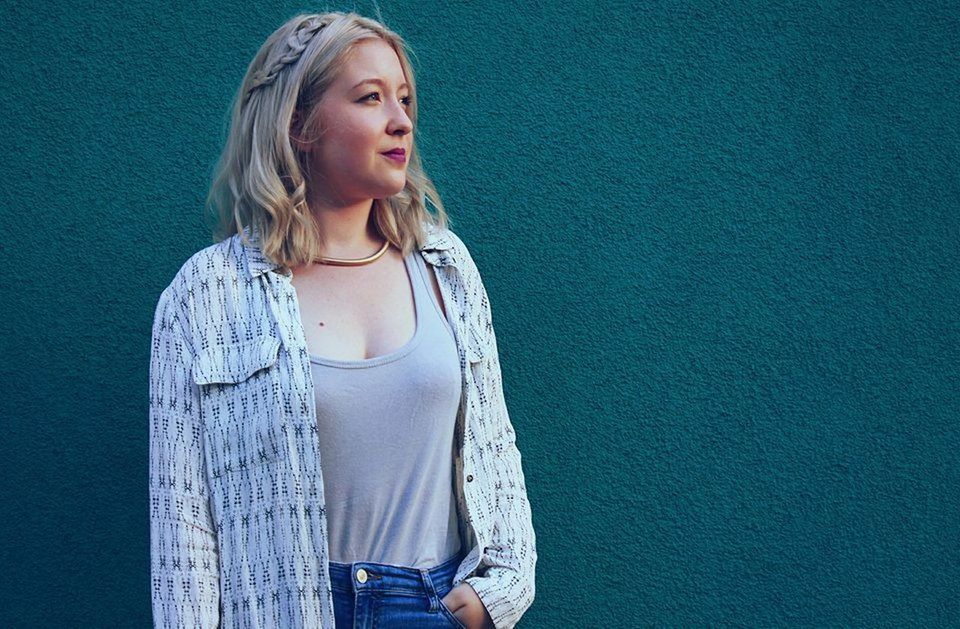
(362, 575)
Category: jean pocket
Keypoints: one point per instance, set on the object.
(449, 614)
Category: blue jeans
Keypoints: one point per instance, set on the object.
(370, 595)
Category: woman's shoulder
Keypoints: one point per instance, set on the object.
(213, 263)
(206, 271)
(444, 240)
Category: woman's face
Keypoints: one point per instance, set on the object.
(362, 115)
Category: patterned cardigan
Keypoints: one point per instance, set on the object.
(238, 533)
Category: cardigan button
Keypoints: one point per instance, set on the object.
(469, 478)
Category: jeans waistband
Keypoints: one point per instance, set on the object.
(379, 576)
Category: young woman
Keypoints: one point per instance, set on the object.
(329, 443)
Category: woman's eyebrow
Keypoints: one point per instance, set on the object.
(378, 82)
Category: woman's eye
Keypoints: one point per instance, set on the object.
(406, 100)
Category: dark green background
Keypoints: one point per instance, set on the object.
(721, 241)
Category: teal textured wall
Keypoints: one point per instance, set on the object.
(721, 241)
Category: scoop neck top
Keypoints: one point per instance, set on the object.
(417, 283)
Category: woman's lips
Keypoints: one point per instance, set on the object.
(397, 156)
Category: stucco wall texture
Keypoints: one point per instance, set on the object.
(721, 241)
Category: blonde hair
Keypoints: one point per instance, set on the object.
(260, 179)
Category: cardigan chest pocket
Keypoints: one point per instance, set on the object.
(239, 402)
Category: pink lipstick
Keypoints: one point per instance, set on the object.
(397, 155)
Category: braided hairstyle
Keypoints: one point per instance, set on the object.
(296, 43)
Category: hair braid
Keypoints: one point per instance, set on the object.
(296, 43)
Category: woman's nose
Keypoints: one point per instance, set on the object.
(399, 121)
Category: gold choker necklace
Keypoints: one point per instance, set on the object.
(355, 261)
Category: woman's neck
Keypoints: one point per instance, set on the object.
(348, 230)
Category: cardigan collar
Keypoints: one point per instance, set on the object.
(434, 249)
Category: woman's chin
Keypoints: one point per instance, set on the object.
(390, 191)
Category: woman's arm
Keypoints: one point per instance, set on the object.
(507, 587)
(184, 565)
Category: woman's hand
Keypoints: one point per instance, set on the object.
(467, 607)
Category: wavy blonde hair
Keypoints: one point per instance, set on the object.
(261, 180)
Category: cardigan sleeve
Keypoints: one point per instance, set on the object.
(507, 586)
(184, 564)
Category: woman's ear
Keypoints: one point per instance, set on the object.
(296, 133)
